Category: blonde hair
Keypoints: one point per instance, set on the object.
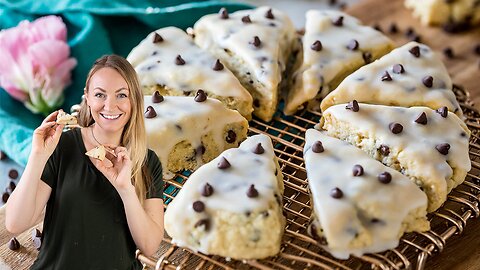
(134, 136)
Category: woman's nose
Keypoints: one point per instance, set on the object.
(110, 103)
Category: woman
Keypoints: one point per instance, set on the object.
(97, 212)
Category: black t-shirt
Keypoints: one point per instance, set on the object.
(85, 225)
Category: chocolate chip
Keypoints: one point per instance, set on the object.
(463, 134)
(384, 150)
(385, 178)
(13, 174)
(316, 46)
(367, 57)
(317, 147)
(201, 96)
(3, 156)
(443, 148)
(357, 170)
(37, 243)
(428, 81)
(415, 51)
(187, 93)
(353, 105)
(157, 38)
(377, 27)
(157, 98)
(393, 29)
(338, 21)
(395, 128)
(246, 19)
(5, 197)
(259, 149)
(217, 66)
(415, 37)
(200, 150)
(198, 206)
(252, 192)
(321, 239)
(421, 119)
(203, 222)
(448, 52)
(342, 6)
(36, 233)
(256, 102)
(336, 193)
(231, 136)
(13, 244)
(269, 14)
(352, 45)
(256, 42)
(207, 190)
(12, 186)
(476, 49)
(150, 113)
(386, 76)
(179, 60)
(443, 111)
(223, 164)
(410, 32)
(223, 13)
(332, 2)
(398, 69)
(375, 220)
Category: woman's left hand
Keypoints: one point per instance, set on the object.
(118, 170)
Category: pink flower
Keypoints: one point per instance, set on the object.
(34, 63)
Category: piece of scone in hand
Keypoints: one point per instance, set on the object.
(334, 45)
(359, 205)
(411, 75)
(97, 152)
(168, 61)
(186, 132)
(429, 146)
(232, 206)
(64, 118)
(255, 45)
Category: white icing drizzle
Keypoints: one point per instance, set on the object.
(155, 64)
(182, 118)
(364, 198)
(405, 89)
(319, 68)
(267, 61)
(230, 187)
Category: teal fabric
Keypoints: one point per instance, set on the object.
(95, 28)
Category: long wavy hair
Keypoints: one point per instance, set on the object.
(134, 136)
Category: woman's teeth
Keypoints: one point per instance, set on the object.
(110, 117)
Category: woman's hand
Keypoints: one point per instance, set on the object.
(117, 169)
(46, 136)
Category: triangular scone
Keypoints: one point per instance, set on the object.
(359, 205)
(98, 152)
(64, 118)
(256, 45)
(430, 147)
(454, 15)
(168, 61)
(334, 45)
(400, 78)
(232, 206)
(186, 133)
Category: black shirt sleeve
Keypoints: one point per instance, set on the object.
(50, 172)
(155, 169)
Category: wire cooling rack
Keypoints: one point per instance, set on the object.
(298, 249)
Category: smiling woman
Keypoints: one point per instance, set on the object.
(95, 209)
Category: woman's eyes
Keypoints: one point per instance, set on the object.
(122, 95)
(100, 95)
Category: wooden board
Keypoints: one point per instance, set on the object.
(463, 251)
(464, 67)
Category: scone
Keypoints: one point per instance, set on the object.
(168, 61)
(359, 205)
(186, 132)
(97, 152)
(256, 45)
(411, 75)
(232, 206)
(455, 15)
(64, 118)
(428, 146)
(334, 45)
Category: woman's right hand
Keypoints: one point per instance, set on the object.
(46, 136)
